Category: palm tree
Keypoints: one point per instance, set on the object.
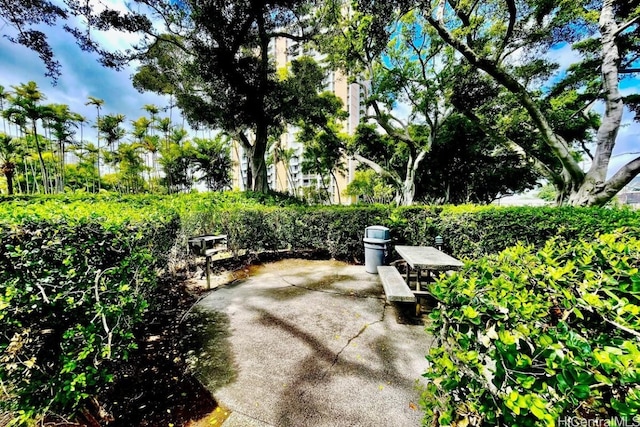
(130, 165)
(25, 105)
(81, 121)
(212, 158)
(98, 104)
(8, 154)
(87, 155)
(164, 126)
(140, 132)
(62, 122)
(4, 95)
(109, 126)
(153, 111)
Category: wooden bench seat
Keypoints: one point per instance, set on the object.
(395, 287)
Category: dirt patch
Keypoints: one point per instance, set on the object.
(157, 386)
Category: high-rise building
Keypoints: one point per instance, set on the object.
(284, 173)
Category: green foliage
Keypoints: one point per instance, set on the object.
(465, 165)
(526, 337)
(57, 250)
(477, 231)
(212, 159)
(548, 193)
(369, 187)
(333, 231)
(74, 280)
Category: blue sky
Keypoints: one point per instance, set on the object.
(628, 142)
(82, 76)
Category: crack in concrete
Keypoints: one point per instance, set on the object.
(293, 285)
(339, 353)
(356, 336)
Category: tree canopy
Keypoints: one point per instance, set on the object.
(507, 41)
(487, 59)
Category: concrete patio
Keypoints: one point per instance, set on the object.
(313, 343)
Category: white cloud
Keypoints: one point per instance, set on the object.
(82, 76)
(564, 56)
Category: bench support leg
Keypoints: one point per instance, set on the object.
(208, 262)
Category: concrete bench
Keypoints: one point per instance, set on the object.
(395, 287)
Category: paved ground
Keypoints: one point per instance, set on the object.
(314, 344)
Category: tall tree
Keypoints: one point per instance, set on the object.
(4, 96)
(405, 80)
(502, 38)
(98, 103)
(127, 158)
(211, 158)
(153, 111)
(62, 123)
(221, 70)
(8, 157)
(84, 173)
(26, 105)
(176, 161)
(110, 127)
(465, 165)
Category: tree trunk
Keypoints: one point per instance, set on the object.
(335, 180)
(62, 165)
(408, 191)
(43, 168)
(595, 190)
(258, 163)
(405, 195)
(9, 172)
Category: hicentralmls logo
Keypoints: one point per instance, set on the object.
(599, 422)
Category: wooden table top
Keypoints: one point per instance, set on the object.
(428, 257)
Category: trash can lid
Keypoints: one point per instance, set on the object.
(374, 240)
(377, 232)
(376, 227)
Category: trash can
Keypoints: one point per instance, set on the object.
(375, 241)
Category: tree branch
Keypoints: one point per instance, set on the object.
(378, 169)
(289, 36)
(557, 144)
(622, 178)
(511, 6)
(626, 25)
(383, 119)
(244, 141)
(108, 331)
(542, 168)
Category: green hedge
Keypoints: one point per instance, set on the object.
(475, 232)
(539, 338)
(330, 231)
(468, 231)
(74, 280)
(71, 264)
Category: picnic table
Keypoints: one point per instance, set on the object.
(426, 258)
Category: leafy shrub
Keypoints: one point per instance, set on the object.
(526, 337)
(74, 280)
(53, 250)
(473, 231)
